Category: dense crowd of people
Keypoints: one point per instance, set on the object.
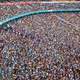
(41, 47)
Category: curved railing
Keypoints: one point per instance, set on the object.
(22, 15)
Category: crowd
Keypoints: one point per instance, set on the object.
(41, 47)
